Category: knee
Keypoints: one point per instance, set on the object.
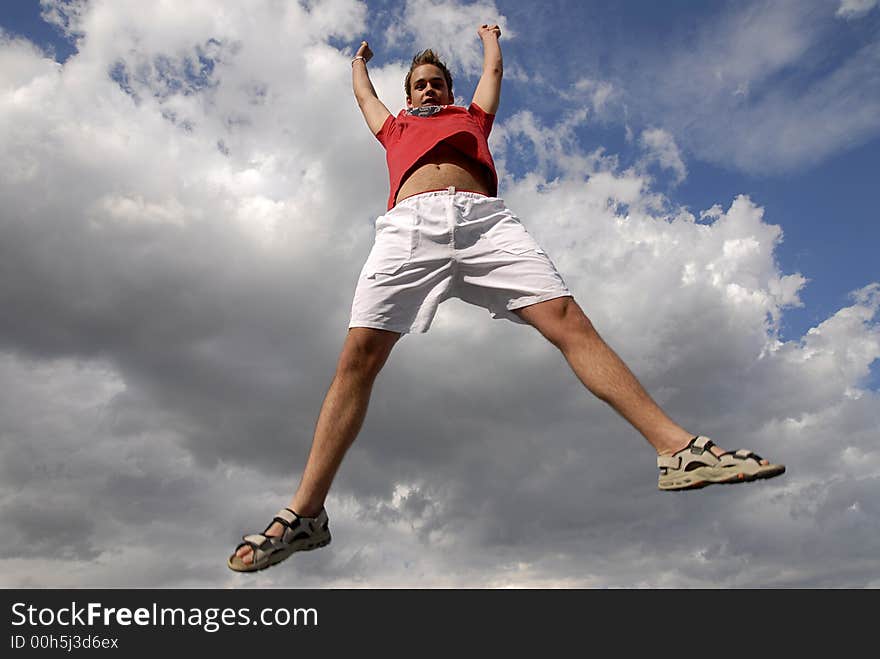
(364, 357)
(572, 326)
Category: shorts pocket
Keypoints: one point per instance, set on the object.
(509, 235)
(393, 247)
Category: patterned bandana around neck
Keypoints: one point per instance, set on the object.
(425, 110)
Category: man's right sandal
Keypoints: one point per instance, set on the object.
(695, 466)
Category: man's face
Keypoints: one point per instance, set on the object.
(428, 87)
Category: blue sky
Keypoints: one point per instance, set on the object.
(23, 18)
(188, 199)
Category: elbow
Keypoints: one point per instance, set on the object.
(362, 96)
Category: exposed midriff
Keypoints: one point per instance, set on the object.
(441, 167)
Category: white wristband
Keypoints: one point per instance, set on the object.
(354, 59)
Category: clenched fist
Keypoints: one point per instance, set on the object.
(487, 30)
(364, 51)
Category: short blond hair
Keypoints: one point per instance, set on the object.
(427, 57)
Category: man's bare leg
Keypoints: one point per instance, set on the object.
(565, 325)
(364, 353)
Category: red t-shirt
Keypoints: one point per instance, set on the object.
(407, 138)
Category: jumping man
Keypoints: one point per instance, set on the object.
(446, 234)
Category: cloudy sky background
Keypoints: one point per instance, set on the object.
(187, 197)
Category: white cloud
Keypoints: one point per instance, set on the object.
(22, 64)
(660, 147)
(450, 28)
(855, 8)
(598, 92)
(845, 344)
(173, 311)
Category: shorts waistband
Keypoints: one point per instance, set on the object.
(451, 191)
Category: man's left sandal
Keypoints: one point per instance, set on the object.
(695, 466)
(300, 534)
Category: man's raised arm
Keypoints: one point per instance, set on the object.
(374, 111)
(488, 92)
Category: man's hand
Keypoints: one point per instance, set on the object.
(365, 52)
(487, 30)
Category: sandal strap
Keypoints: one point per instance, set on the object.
(700, 442)
(254, 541)
(286, 516)
(257, 539)
(291, 522)
(698, 446)
(743, 454)
(293, 525)
(268, 546)
(668, 461)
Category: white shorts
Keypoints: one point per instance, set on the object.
(437, 245)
